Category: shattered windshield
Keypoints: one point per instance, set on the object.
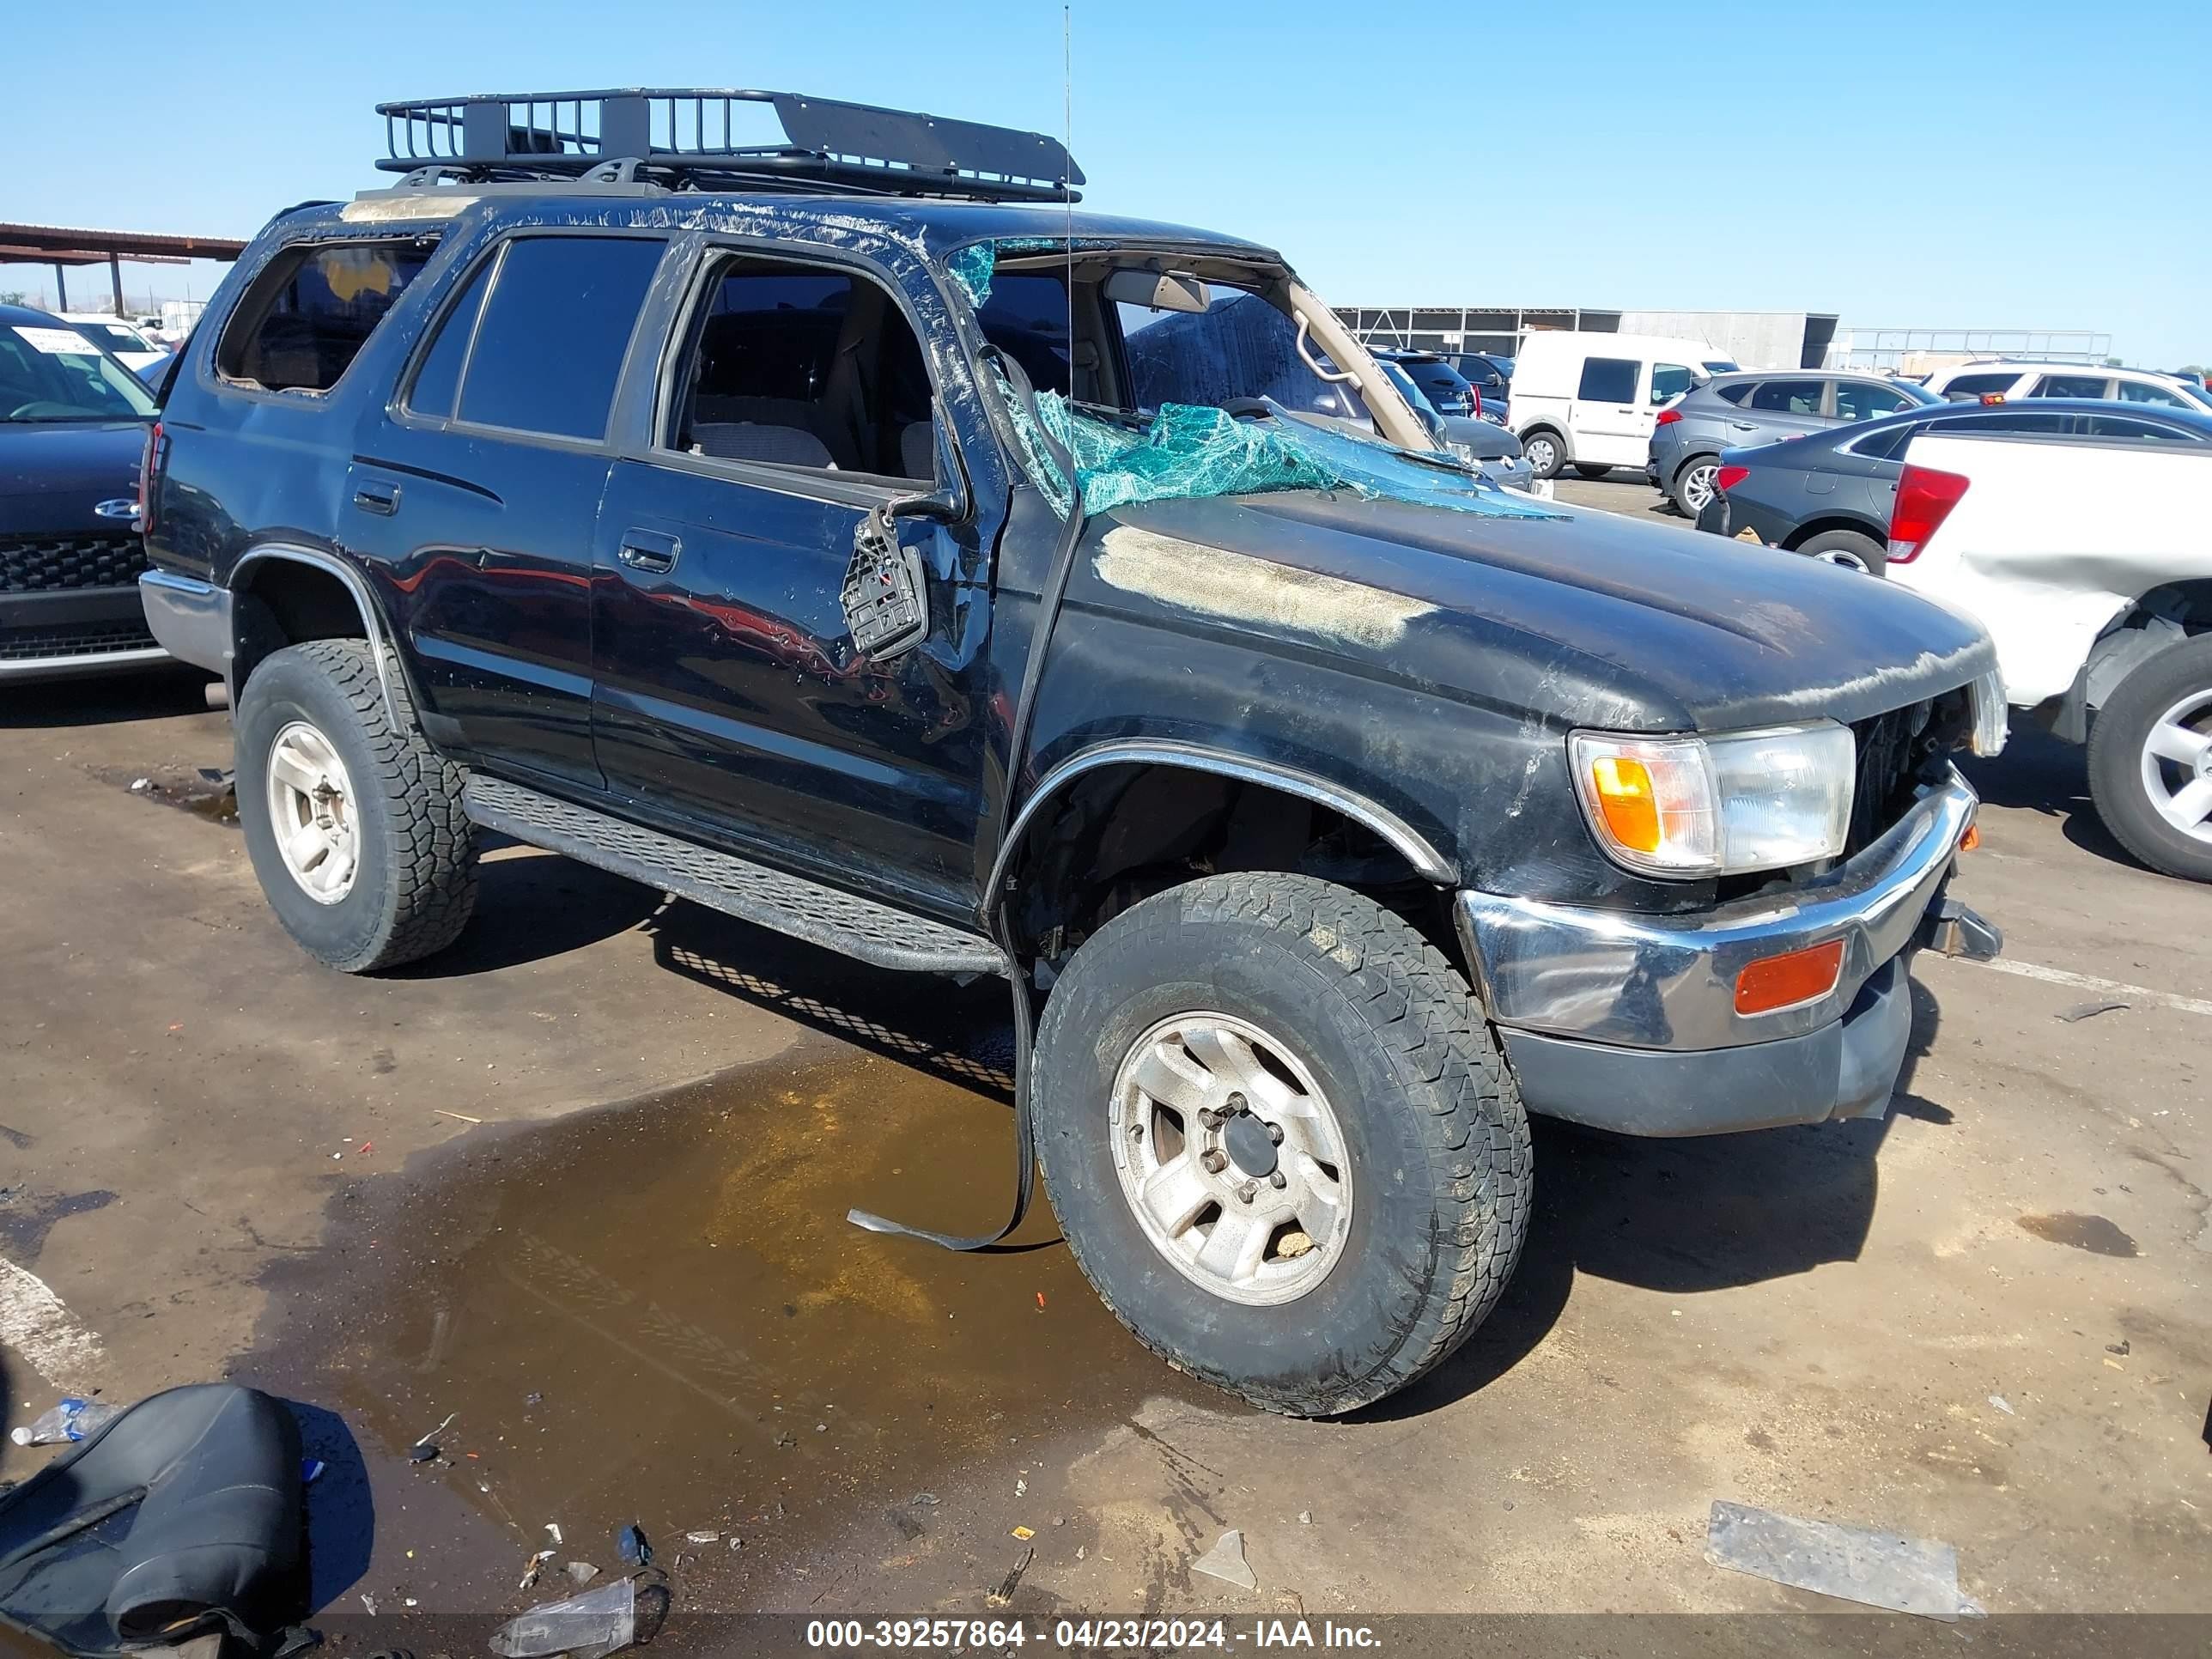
(1240, 346)
(1159, 381)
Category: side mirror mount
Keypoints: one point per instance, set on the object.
(1433, 421)
(885, 596)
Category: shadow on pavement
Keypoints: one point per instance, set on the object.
(532, 907)
(341, 1509)
(141, 694)
(2040, 772)
(1679, 1217)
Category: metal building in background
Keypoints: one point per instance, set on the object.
(1757, 339)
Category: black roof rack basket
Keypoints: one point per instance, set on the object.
(687, 136)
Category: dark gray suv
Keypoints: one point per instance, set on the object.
(1735, 411)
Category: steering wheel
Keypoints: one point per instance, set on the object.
(40, 407)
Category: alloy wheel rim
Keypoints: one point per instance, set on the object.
(311, 810)
(2176, 765)
(1697, 487)
(1231, 1158)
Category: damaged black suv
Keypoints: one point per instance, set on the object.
(885, 551)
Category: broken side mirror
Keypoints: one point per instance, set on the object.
(886, 592)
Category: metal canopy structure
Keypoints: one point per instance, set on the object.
(62, 246)
(689, 136)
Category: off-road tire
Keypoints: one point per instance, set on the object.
(2115, 749)
(1864, 548)
(416, 881)
(1532, 445)
(1593, 470)
(1436, 1139)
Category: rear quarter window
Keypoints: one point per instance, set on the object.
(307, 317)
(555, 326)
(1609, 380)
(1736, 393)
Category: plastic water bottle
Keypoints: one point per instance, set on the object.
(73, 1420)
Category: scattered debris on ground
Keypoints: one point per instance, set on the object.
(586, 1627)
(1004, 1592)
(582, 1572)
(631, 1542)
(1879, 1569)
(2081, 1011)
(2002, 1405)
(1225, 1561)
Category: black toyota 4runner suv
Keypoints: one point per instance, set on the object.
(885, 551)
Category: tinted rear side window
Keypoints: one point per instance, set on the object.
(1736, 393)
(439, 377)
(555, 329)
(310, 313)
(1609, 380)
(1788, 396)
(2073, 385)
(1857, 401)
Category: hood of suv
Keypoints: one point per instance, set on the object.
(54, 474)
(1581, 619)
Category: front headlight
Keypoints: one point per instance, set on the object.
(1709, 807)
(1993, 719)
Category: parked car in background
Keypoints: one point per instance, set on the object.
(1490, 375)
(1447, 392)
(1489, 448)
(1970, 382)
(2084, 554)
(1736, 411)
(1832, 493)
(73, 427)
(129, 342)
(1591, 401)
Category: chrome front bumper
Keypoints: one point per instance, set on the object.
(1629, 1020)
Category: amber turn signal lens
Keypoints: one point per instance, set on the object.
(1783, 981)
(1626, 796)
(1971, 839)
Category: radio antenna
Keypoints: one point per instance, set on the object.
(1066, 187)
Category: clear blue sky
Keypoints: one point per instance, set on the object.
(1944, 163)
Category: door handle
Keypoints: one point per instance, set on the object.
(378, 497)
(649, 550)
(1743, 426)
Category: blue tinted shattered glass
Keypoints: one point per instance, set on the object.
(972, 268)
(1186, 451)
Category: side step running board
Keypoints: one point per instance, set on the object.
(789, 904)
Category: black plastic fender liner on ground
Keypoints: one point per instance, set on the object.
(1047, 618)
(180, 1516)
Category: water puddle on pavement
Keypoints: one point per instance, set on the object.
(658, 1313)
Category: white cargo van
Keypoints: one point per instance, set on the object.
(1589, 401)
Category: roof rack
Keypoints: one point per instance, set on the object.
(688, 137)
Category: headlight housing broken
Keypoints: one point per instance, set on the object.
(1681, 807)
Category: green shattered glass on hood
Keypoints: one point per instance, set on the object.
(1188, 451)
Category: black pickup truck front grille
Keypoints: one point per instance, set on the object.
(1890, 754)
(58, 563)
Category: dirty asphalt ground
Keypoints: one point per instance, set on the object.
(580, 1186)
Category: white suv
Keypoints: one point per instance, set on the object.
(1968, 381)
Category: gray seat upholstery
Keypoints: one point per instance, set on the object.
(182, 1514)
(918, 449)
(709, 411)
(748, 441)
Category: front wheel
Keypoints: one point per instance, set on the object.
(1592, 469)
(2150, 761)
(1281, 1140)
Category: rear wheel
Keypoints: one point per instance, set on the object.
(353, 822)
(1592, 470)
(1543, 452)
(1848, 547)
(1692, 484)
(1281, 1140)
(2150, 761)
